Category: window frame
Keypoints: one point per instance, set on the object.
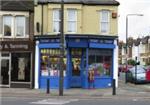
(105, 21)
(1, 26)
(12, 31)
(74, 21)
(55, 20)
(15, 26)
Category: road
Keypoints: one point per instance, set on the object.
(62, 101)
(127, 94)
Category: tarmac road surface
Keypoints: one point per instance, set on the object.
(61, 101)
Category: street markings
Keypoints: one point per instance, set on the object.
(54, 101)
(134, 99)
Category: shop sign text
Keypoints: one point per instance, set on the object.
(13, 46)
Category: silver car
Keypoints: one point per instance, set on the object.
(137, 75)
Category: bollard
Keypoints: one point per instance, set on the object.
(48, 86)
(135, 71)
(114, 87)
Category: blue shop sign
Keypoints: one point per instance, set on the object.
(77, 42)
(102, 41)
(49, 40)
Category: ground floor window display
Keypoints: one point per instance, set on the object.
(15, 69)
(16, 63)
(86, 59)
(21, 66)
(100, 60)
(4, 69)
(49, 65)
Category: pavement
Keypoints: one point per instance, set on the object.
(123, 91)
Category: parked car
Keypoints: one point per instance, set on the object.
(137, 75)
(148, 73)
(122, 68)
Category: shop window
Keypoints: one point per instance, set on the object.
(78, 56)
(5, 54)
(91, 59)
(21, 66)
(76, 66)
(76, 52)
(50, 64)
(100, 61)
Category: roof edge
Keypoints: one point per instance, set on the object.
(115, 3)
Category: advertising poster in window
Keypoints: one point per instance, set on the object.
(50, 64)
(21, 71)
(44, 66)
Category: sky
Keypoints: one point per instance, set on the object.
(138, 26)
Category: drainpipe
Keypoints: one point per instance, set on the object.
(42, 20)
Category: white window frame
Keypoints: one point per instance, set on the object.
(56, 20)
(105, 21)
(12, 28)
(14, 14)
(75, 21)
(24, 34)
(1, 25)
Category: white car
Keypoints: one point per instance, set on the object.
(137, 74)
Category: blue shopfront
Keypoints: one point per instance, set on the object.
(82, 54)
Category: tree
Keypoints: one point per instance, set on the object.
(131, 62)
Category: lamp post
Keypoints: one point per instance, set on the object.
(127, 41)
(61, 76)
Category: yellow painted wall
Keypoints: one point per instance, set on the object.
(70, 6)
(88, 18)
(37, 18)
(91, 19)
(45, 20)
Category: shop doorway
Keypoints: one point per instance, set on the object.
(77, 67)
(5, 72)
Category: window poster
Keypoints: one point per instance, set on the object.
(21, 71)
(44, 73)
(50, 64)
(44, 67)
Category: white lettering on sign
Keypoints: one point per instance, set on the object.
(77, 40)
(18, 46)
(6, 46)
(14, 46)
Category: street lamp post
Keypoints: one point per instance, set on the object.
(127, 41)
(61, 76)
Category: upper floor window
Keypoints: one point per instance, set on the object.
(20, 26)
(56, 20)
(7, 26)
(104, 21)
(72, 20)
(14, 26)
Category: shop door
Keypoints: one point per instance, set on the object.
(77, 67)
(5, 72)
